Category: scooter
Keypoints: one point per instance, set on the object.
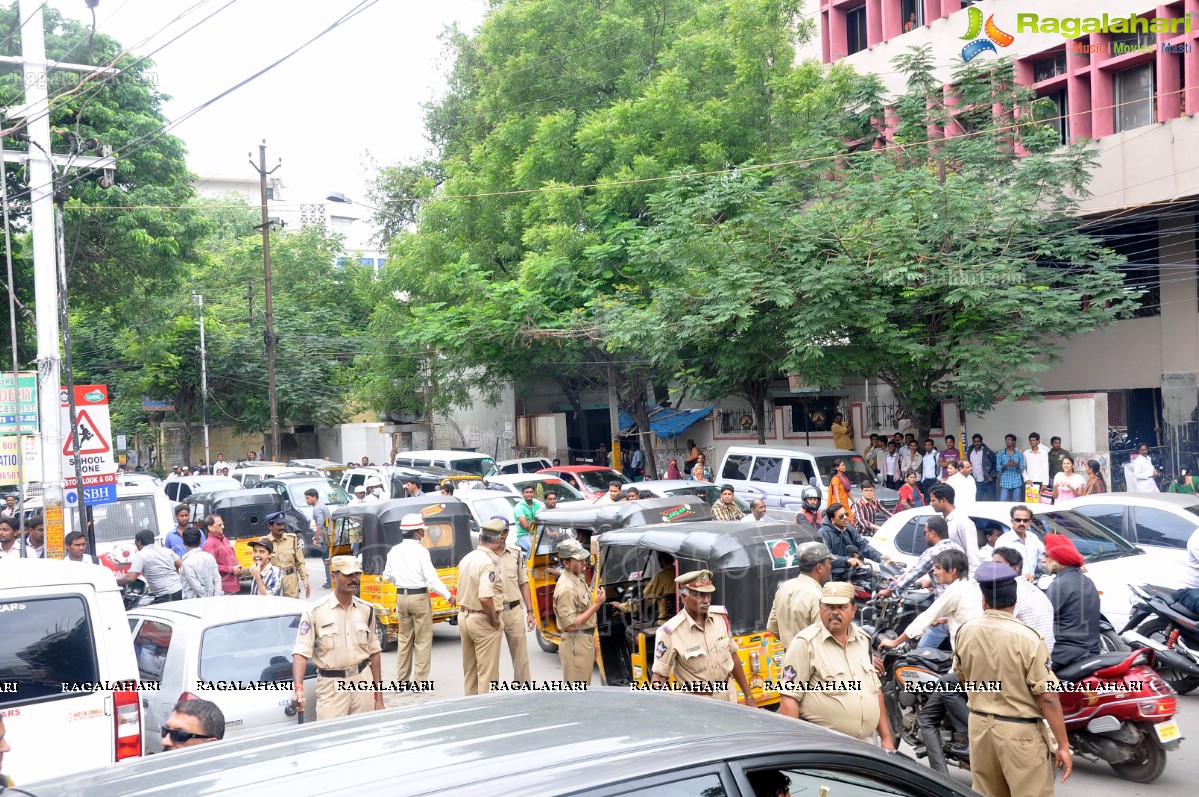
(1118, 710)
(1159, 622)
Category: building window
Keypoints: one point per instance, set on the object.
(1056, 113)
(1134, 97)
(913, 14)
(1138, 242)
(1049, 68)
(855, 29)
(1122, 43)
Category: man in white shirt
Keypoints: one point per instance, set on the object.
(1022, 539)
(359, 496)
(965, 488)
(961, 528)
(930, 467)
(75, 549)
(757, 512)
(892, 477)
(1188, 595)
(410, 567)
(1033, 607)
(158, 565)
(1142, 470)
(1036, 462)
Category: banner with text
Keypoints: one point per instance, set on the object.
(18, 405)
(10, 473)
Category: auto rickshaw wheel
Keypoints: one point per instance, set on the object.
(381, 635)
(545, 644)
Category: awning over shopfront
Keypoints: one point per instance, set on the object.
(666, 422)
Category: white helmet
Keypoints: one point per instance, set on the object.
(373, 481)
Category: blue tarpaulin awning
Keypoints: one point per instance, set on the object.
(666, 422)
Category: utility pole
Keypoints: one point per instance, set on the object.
(614, 417)
(199, 299)
(260, 167)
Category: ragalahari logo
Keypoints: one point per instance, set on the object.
(993, 36)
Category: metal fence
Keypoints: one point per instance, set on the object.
(733, 421)
(1161, 456)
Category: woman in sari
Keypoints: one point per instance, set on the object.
(1185, 484)
(1094, 484)
(839, 487)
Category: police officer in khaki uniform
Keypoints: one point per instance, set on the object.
(480, 601)
(832, 673)
(697, 645)
(797, 601)
(1009, 749)
(574, 611)
(517, 611)
(338, 634)
(288, 556)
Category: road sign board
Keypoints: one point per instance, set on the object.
(96, 462)
(19, 403)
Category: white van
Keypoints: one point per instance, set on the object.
(779, 474)
(116, 524)
(65, 655)
(467, 461)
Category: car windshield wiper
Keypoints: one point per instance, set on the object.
(1115, 553)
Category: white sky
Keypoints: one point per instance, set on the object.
(358, 89)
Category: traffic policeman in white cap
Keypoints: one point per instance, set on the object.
(410, 567)
(696, 646)
(337, 634)
(1009, 749)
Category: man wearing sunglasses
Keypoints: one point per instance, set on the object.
(1021, 539)
(839, 534)
(193, 722)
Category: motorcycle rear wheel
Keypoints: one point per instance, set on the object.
(1150, 763)
(1155, 629)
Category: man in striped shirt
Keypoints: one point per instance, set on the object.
(868, 513)
(268, 579)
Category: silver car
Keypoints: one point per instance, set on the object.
(207, 648)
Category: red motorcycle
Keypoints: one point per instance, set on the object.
(1119, 710)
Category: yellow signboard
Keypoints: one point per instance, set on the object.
(10, 472)
(54, 532)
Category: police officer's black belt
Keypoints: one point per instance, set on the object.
(511, 604)
(1027, 720)
(346, 673)
(412, 591)
(291, 571)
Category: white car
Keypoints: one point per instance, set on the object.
(515, 483)
(186, 647)
(179, 487)
(1112, 562)
(1159, 520)
(526, 465)
(250, 475)
(669, 488)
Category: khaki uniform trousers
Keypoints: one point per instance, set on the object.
(414, 613)
(1009, 759)
(293, 587)
(577, 652)
(515, 630)
(480, 653)
(333, 702)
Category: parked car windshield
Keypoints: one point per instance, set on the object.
(1092, 540)
(542, 486)
(250, 650)
(120, 521)
(488, 508)
(47, 643)
(473, 465)
(597, 480)
(855, 468)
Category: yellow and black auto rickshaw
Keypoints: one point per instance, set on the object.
(448, 539)
(748, 562)
(244, 513)
(587, 524)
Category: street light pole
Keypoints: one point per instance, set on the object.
(270, 308)
(199, 299)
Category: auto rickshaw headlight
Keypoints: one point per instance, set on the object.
(755, 662)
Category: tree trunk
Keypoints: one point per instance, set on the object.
(644, 436)
(578, 415)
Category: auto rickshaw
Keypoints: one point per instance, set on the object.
(244, 513)
(448, 540)
(748, 562)
(587, 525)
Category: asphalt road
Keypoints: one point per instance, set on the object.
(1088, 779)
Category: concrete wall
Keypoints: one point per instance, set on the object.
(350, 442)
(1080, 420)
(487, 429)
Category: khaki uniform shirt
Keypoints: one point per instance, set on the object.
(796, 606)
(998, 647)
(479, 576)
(572, 598)
(289, 556)
(336, 638)
(694, 652)
(512, 569)
(848, 688)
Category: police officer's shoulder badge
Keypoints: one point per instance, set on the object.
(305, 628)
(788, 673)
(660, 649)
(491, 576)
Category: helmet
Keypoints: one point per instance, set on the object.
(810, 497)
(373, 481)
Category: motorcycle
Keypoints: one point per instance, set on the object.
(909, 670)
(867, 580)
(1118, 710)
(1159, 622)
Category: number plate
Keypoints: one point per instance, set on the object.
(1167, 731)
